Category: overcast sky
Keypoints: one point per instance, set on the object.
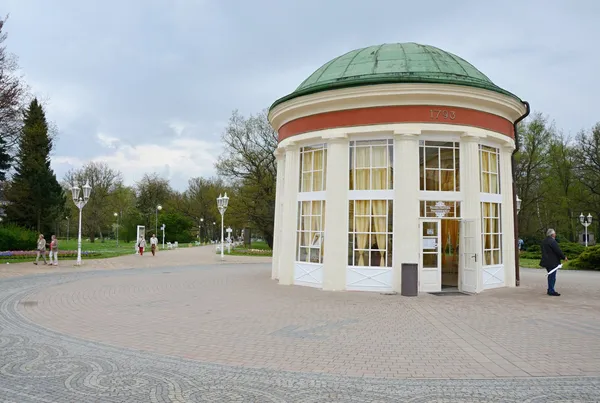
(148, 85)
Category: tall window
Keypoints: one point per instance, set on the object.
(491, 232)
(311, 220)
(439, 166)
(490, 169)
(313, 168)
(371, 165)
(370, 238)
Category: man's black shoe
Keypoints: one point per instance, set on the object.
(554, 294)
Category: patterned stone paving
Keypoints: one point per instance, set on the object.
(128, 336)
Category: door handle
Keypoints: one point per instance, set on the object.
(475, 257)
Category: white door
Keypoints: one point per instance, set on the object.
(430, 279)
(468, 256)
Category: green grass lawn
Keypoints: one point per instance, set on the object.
(100, 250)
(257, 248)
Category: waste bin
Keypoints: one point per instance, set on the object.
(410, 280)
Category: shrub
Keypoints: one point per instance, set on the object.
(25, 254)
(570, 249)
(589, 259)
(13, 237)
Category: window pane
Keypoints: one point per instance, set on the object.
(493, 183)
(487, 258)
(447, 181)
(362, 224)
(362, 157)
(430, 260)
(380, 181)
(447, 158)
(494, 163)
(362, 180)
(432, 157)
(306, 182)
(379, 157)
(307, 163)
(496, 257)
(432, 180)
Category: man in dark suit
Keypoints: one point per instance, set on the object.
(551, 257)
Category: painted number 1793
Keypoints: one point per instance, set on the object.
(438, 114)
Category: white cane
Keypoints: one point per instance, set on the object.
(553, 270)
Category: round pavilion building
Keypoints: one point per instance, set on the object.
(394, 154)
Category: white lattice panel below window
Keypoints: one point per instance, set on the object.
(369, 279)
(493, 277)
(308, 274)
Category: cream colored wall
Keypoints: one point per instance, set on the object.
(336, 215)
(279, 200)
(287, 254)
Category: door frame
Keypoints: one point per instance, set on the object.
(438, 286)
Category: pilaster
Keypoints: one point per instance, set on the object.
(507, 217)
(335, 260)
(279, 199)
(406, 204)
(289, 216)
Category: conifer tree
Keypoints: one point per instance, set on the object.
(34, 195)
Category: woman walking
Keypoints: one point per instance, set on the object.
(54, 250)
(141, 245)
(41, 250)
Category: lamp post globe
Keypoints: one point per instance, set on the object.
(158, 208)
(80, 202)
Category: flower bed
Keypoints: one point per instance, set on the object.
(25, 254)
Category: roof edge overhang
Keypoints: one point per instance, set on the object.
(506, 105)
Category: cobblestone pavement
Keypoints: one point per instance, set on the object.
(227, 333)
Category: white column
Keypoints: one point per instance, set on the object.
(508, 222)
(406, 204)
(335, 260)
(279, 197)
(289, 217)
(469, 184)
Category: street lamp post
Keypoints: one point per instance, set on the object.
(68, 226)
(222, 202)
(79, 202)
(518, 204)
(213, 231)
(200, 231)
(586, 222)
(158, 208)
(117, 215)
(163, 231)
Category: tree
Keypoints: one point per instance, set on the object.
(12, 93)
(100, 209)
(588, 167)
(248, 161)
(152, 191)
(35, 197)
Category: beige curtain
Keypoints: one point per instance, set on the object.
(307, 167)
(324, 169)
(380, 209)
(379, 168)
(361, 209)
(485, 177)
(317, 184)
(362, 165)
(447, 181)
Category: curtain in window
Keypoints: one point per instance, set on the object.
(362, 165)
(379, 168)
(485, 177)
(306, 227)
(317, 184)
(380, 209)
(362, 228)
(307, 166)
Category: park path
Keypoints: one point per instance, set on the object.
(177, 257)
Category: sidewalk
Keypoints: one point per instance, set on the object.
(164, 258)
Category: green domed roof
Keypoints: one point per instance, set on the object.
(394, 63)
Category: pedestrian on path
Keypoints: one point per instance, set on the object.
(141, 245)
(153, 244)
(54, 250)
(41, 250)
(551, 257)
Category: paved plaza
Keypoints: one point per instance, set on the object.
(184, 327)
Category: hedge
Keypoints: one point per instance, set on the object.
(24, 254)
(13, 237)
(588, 259)
(570, 249)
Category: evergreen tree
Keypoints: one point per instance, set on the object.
(4, 159)
(35, 197)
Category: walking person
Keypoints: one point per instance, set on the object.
(153, 244)
(551, 257)
(141, 244)
(41, 250)
(54, 250)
